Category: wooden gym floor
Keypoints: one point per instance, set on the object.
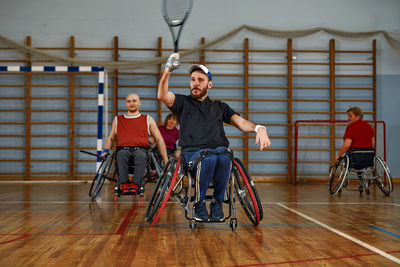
(55, 224)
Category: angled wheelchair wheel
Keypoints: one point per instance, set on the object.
(101, 176)
(247, 193)
(383, 176)
(162, 191)
(338, 175)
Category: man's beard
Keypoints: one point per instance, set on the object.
(203, 93)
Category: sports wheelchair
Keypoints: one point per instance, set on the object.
(177, 181)
(108, 171)
(360, 164)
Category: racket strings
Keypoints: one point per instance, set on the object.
(176, 10)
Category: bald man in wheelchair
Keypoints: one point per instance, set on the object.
(130, 132)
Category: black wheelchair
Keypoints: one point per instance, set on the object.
(360, 164)
(177, 181)
(108, 171)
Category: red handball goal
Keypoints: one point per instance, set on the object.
(316, 143)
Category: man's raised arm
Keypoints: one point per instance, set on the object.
(163, 94)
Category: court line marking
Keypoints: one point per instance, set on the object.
(128, 216)
(16, 239)
(385, 231)
(184, 224)
(59, 225)
(309, 260)
(68, 202)
(355, 240)
(338, 203)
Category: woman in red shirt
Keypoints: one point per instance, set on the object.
(170, 133)
(359, 134)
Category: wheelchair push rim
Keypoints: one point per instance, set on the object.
(247, 193)
(100, 176)
(162, 191)
(337, 175)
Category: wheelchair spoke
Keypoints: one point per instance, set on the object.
(241, 192)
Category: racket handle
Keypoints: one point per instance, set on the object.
(173, 62)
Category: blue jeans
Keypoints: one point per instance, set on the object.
(216, 167)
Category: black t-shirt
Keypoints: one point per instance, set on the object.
(201, 123)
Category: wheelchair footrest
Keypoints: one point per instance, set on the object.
(193, 199)
(210, 221)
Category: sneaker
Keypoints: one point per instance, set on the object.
(125, 188)
(200, 212)
(133, 188)
(217, 213)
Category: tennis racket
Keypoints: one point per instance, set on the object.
(175, 13)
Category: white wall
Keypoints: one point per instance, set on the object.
(139, 22)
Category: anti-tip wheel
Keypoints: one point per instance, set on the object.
(366, 188)
(192, 225)
(233, 224)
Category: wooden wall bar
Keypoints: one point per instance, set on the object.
(246, 99)
(256, 95)
(28, 97)
(115, 78)
(72, 114)
(290, 108)
(332, 97)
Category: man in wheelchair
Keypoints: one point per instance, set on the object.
(202, 128)
(131, 132)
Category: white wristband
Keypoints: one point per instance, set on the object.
(258, 127)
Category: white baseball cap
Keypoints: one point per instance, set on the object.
(202, 68)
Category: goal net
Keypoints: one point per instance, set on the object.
(316, 143)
